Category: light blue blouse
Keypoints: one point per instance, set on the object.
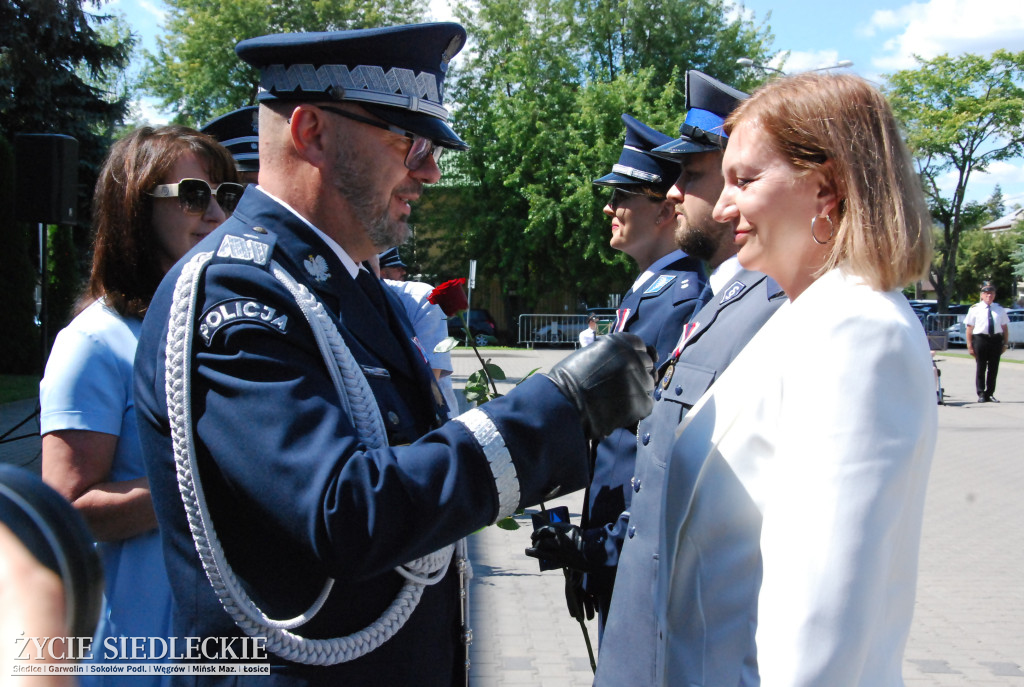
(88, 386)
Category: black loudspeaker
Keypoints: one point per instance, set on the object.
(46, 178)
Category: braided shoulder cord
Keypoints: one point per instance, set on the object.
(358, 402)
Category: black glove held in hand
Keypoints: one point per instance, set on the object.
(564, 545)
(577, 600)
(610, 381)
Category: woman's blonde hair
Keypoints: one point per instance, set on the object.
(842, 127)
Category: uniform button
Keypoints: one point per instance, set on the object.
(636, 485)
(679, 391)
(657, 394)
(392, 417)
(259, 230)
(646, 439)
(632, 531)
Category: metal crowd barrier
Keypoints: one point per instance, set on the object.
(551, 329)
(943, 330)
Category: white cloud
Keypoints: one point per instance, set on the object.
(1009, 175)
(805, 61)
(935, 27)
(148, 110)
(441, 10)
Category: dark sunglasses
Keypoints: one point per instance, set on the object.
(620, 196)
(419, 150)
(194, 195)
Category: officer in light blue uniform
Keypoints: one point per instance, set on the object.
(742, 302)
(307, 493)
(661, 301)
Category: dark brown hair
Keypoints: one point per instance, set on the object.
(841, 126)
(125, 270)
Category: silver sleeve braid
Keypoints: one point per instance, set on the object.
(358, 402)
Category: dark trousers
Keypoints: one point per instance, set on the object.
(987, 350)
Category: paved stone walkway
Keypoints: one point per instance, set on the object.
(969, 623)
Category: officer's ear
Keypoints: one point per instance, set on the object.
(311, 135)
(666, 212)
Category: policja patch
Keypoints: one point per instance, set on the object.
(238, 310)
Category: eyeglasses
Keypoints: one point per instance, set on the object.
(419, 150)
(194, 195)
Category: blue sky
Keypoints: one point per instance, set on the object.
(879, 36)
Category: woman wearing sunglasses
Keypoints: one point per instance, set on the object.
(160, 191)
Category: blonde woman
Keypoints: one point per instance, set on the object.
(796, 488)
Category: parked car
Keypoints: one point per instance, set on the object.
(957, 333)
(561, 329)
(481, 325)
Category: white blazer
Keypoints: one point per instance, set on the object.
(794, 499)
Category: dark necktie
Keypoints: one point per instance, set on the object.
(371, 286)
(706, 294)
(991, 323)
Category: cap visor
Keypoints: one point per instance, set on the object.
(682, 146)
(614, 179)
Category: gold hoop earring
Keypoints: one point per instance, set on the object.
(831, 230)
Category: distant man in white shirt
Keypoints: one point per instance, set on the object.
(988, 333)
(589, 335)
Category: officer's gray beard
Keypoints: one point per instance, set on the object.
(355, 181)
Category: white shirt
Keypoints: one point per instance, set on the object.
(587, 337)
(723, 273)
(977, 317)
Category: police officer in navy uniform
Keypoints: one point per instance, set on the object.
(391, 265)
(662, 299)
(306, 490)
(741, 301)
(238, 131)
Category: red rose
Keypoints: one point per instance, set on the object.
(450, 297)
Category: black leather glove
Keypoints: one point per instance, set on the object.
(566, 546)
(577, 600)
(610, 382)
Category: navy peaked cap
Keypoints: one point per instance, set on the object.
(390, 258)
(709, 102)
(395, 72)
(238, 131)
(636, 165)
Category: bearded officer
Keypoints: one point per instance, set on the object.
(305, 489)
(741, 302)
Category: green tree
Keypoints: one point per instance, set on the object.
(995, 205)
(539, 99)
(195, 71)
(55, 59)
(49, 51)
(960, 115)
(618, 36)
(986, 255)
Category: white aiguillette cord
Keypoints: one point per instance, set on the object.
(358, 402)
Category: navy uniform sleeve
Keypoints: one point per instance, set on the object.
(278, 444)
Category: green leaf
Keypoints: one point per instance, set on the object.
(508, 524)
(446, 344)
(495, 372)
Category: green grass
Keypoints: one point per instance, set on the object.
(17, 387)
